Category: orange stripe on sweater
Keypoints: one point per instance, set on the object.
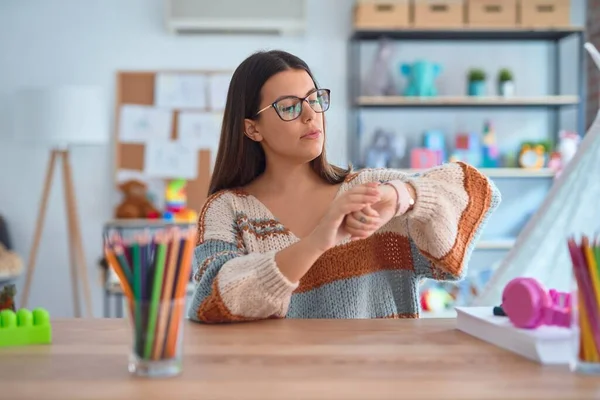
(380, 252)
(213, 310)
(480, 197)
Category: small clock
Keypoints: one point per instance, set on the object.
(532, 156)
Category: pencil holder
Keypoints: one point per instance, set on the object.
(154, 271)
(585, 309)
(157, 335)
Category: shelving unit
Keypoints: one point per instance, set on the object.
(471, 34)
(466, 101)
(554, 103)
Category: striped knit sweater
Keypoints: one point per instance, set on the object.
(237, 278)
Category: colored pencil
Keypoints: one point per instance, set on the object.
(118, 268)
(585, 258)
(179, 303)
(166, 296)
(157, 282)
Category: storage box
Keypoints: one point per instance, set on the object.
(439, 13)
(492, 13)
(382, 14)
(544, 13)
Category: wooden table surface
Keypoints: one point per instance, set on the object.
(285, 360)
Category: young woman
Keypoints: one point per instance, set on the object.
(286, 234)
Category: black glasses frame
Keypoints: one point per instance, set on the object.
(302, 100)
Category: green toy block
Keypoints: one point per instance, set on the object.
(25, 327)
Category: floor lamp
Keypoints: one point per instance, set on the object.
(61, 118)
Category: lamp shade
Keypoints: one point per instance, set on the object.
(61, 116)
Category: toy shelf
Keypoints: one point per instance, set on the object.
(496, 244)
(469, 34)
(466, 101)
(507, 172)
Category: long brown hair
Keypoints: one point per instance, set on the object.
(239, 159)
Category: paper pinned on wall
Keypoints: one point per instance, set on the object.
(170, 159)
(199, 129)
(218, 88)
(174, 90)
(139, 124)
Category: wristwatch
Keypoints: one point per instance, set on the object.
(405, 200)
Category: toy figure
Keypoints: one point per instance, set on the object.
(567, 147)
(554, 163)
(175, 202)
(421, 78)
(468, 149)
(7, 298)
(379, 80)
(436, 141)
(422, 158)
(490, 152)
(435, 300)
(380, 152)
(399, 150)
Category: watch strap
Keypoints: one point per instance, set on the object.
(405, 200)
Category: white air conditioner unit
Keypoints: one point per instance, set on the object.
(280, 17)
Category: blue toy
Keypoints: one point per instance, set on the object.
(435, 140)
(490, 151)
(421, 78)
(467, 149)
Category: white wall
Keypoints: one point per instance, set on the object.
(86, 42)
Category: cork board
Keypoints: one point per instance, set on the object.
(137, 88)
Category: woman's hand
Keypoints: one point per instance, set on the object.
(363, 223)
(331, 229)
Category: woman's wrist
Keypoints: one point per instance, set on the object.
(403, 195)
(313, 244)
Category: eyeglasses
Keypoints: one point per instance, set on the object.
(290, 107)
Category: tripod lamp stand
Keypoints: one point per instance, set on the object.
(61, 118)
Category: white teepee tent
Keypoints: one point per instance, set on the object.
(571, 208)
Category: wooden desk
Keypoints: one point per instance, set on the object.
(285, 360)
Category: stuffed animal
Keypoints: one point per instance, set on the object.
(135, 202)
(568, 145)
(421, 78)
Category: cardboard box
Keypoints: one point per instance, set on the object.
(382, 14)
(544, 13)
(492, 13)
(439, 14)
